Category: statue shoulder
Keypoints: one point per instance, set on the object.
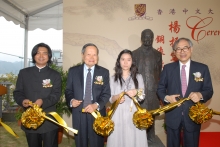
(136, 51)
(156, 52)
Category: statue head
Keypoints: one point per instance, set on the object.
(147, 37)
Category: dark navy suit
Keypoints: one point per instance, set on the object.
(170, 84)
(100, 94)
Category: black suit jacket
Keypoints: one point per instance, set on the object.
(75, 89)
(170, 84)
(29, 86)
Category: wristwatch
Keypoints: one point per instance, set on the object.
(97, 105)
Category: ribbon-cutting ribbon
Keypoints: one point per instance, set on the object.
(199, 113)
(143, 119)
(7, 128)
(104, 125)
(34, 116)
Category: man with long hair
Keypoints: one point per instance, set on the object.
(41, 85)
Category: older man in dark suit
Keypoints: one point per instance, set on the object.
(87, 88)
(177, 81)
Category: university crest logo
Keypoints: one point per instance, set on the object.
(140, 9)
(140, 13)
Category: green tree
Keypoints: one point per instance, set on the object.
(61, 106)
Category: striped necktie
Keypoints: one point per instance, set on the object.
(88, 90)
(183, 80)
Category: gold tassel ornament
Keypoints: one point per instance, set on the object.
(199, 113)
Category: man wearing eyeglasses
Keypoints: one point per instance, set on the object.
(185, 78)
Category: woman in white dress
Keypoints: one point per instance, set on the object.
(126, 78)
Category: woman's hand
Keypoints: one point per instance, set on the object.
(115, 97)
(131, 93)
(122, 100)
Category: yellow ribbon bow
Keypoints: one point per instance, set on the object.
(199, 113)
(34, 116)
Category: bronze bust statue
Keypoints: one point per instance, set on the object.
(149, 63)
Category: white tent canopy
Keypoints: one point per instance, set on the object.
(33, 14)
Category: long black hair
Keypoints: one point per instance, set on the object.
(118, 69)
(35, 49)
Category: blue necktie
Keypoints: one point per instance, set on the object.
(88, 90)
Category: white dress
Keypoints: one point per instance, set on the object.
(125, 133)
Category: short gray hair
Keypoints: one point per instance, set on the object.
(89, 44)
(177, 42)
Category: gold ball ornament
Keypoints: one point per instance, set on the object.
(199, 113)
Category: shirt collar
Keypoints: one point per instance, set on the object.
(41, 67)
(86, 67)
(187, 63)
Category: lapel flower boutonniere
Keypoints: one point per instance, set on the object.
(46, 83)
(197, 76)
(99, 80)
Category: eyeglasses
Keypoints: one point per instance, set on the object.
(185, 49)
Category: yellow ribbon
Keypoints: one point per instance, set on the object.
(34, 116)
(93, 113)
(102, 125)
(61, 122)
(168, 107)
(141, 118)
(199, 113)
(7, 128)
(115, 105)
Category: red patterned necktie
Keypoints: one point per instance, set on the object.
(183, 80)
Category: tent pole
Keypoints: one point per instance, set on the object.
(26, 43)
